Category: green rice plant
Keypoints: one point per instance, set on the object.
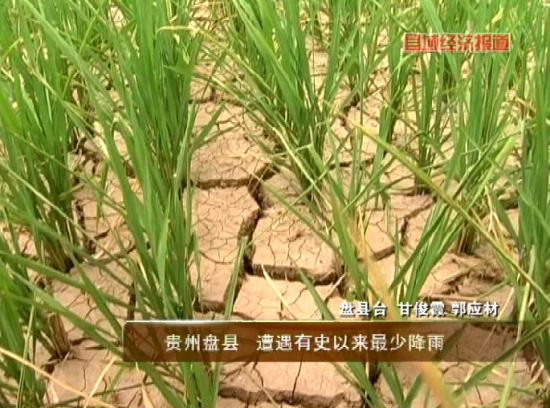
(153, 79)
(49, 334)
(366, 42)
(450, 17)
(400, 68)
(31, 317)
(400, 65)
(241, 43)
(444, 225)
(521, 35)
(361, 25)
(38, 120)
(269, 45)
(26, 389)
(317, 18)
(437, 82)
(86, 22)
(367, 278)
(36, 125)
(429, 110)
(532, 239)
(157, 54)
(428, 117)
(153, 62)
(482, 114)
(441, 230)
(26, 325)
(473, 176)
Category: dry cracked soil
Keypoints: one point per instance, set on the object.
(229, 204)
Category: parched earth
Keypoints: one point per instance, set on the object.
(234, 199)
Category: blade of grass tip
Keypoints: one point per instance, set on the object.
(52, 378)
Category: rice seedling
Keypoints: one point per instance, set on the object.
(400, 65)
(361, 25)
(153, 78)
(72, 74)
(37, 124)
(532, 237)
(160, 139)
(158, 132)
(429, 118)
(482, 115)
(24, 387)
(269, 43)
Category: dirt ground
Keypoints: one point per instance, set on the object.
(230, 204)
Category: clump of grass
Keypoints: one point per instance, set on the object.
(429, 110)
(153, 78)
(269, 45)
(30, 389)
(151, 67)
(532, 239)
(37, 122)
(482, 115)
(361, 24)
(156, 57)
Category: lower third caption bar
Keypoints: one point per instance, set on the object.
(314, 341)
